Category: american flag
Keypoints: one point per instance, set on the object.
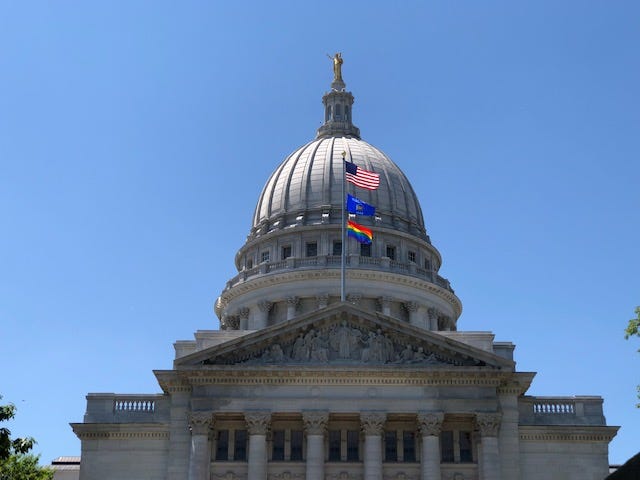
(360, 177)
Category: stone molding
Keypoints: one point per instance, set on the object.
(269, 280)
(337, 375)
(401, 476)
(488, 424)
(430, 423)
(344, 476)
(287, 475)
(258, 422)
(200, 422)
(315, 421)
(119, 431)
(372, 423)
(569, 433)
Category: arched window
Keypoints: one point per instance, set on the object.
(346, 112)
(327, 115)
(338, 112)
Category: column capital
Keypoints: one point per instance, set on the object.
(433, 313)
(230, 322)
(293, 301)
(354, 298)
(265, 305)
(488, 424)
(411, 306)
(244, 312)
(258, 422)
(372, 423)
(322, 300)
(430, 423)
(200, 422)
(315, 421)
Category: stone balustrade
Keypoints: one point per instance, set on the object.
(114, 408)
(334, 261)
(580, 410)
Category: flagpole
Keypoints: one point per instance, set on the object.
(344, 242)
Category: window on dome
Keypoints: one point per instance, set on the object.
(411, 256)
(311, 249)
(391, 252)
(338, 112)
(427, 264)
(365, 249)
(286, 252)
(346, 113)
(327, 115)
(249, 263)
(337, 248)
(264, 256)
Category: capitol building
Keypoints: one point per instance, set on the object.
(312, 377)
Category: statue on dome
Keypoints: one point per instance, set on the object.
(337, 66)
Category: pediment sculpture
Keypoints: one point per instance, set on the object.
(340, 343)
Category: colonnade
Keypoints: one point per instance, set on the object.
(372, 425)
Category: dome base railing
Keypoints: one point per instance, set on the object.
(384, 264)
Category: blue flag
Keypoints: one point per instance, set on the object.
(357, 206)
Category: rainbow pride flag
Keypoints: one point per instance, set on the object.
(360, 233)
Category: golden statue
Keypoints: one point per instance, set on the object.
(337, 66)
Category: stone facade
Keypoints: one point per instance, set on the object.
(298, 384)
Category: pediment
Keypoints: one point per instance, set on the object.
(344, 335)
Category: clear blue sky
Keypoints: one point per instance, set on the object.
(136, 136)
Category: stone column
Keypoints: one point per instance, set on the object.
(489, 424)
(292, 305)
(244, 318)
(509, 436)
(178, 455)
(385, 304)
(372, 427)
(412, 308)
(261, 317)
(430, 424)
(200, 455)
(433, 318)
(258, 426)
(315, 425)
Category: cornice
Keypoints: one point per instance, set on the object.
(567, 433)
(272, 279)
(120, 431)
(458, 376)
